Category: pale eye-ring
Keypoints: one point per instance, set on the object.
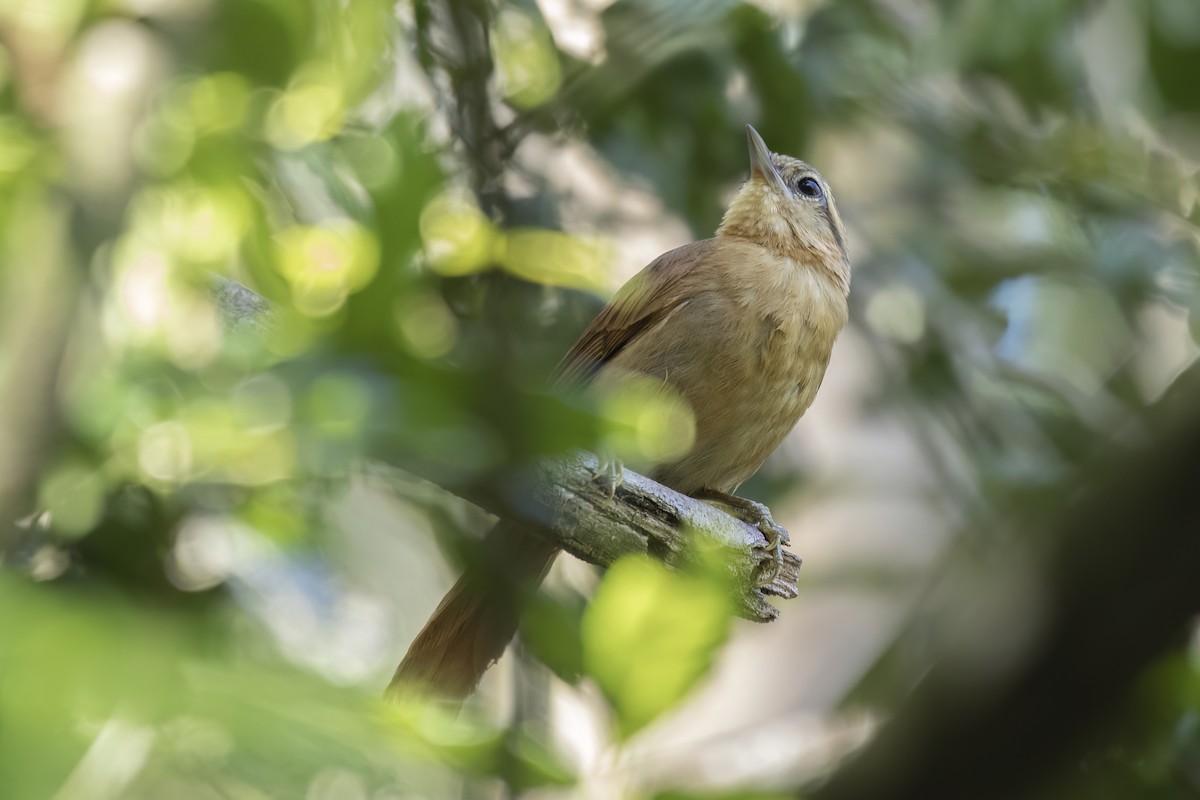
(810, 188)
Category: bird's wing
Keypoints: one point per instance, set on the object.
(648, 297)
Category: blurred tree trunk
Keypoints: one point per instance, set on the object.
(1118, 586)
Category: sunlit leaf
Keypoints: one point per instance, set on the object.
(526, 59)
(649, 635)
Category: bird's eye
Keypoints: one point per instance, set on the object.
(809, 188)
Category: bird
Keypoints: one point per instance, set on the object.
(741, 326)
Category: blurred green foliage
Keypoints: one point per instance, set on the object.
(1019, 178)
(103, 697)
(650, 634)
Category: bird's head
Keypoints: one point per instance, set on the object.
(786, 206)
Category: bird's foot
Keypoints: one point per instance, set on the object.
(754, 513)
(610, 473)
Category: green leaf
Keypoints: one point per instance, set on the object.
(533, 765)
(551, 629)
(473, 748)
(650, 635)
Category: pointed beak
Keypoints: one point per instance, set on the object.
(760, 161)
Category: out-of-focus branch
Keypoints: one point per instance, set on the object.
(453, 40)
(38, 300)
(562, 501)
(36, 64)
(240, 308)
(1115, 587)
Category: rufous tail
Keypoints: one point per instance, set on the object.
(477, 618)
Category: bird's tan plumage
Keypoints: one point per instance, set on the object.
(741, 326)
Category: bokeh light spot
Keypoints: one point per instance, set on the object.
(554, 258)
(165, 452)
(261, 404)
(426, 326)
(339, 405)
(324, 264)
(646, 420)
(218, 102)
(73, 494)
(458, 238)
(202, 555)
(311, 110)
(375, 161)
(526, 59)
(897, 312)
(195, 335)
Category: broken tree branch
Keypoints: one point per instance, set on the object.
(567, 505)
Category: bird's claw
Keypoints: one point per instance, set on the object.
(754, 513)
(777, 537)
(610, 474)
